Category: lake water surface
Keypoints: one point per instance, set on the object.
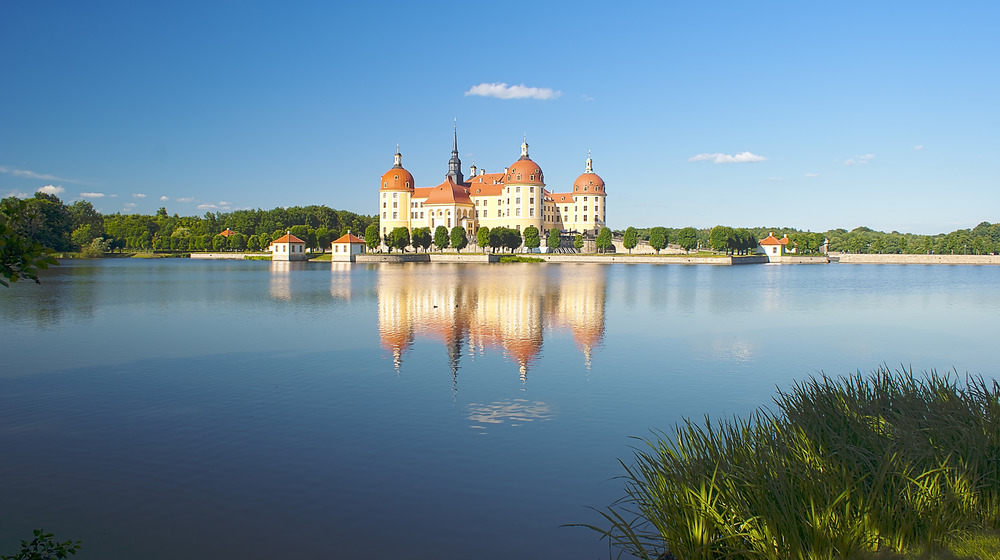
(207, 409)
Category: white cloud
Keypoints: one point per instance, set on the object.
(51, 189)
(186, 199)
(92, 194)
(918, 147)
(139, 195)
(129, 205)
(860, 160)
(587, 97)
(501, 90)
(223, 203)
(164, 198)
(812, 174)
(32, 175)
(744, 157)
(207, 207)
(16, 194)
(113, 195)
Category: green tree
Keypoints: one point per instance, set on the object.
(531, 239)
(253, 243)
(371, 236)
(630, 239)
(49, 222)
(658, 238)
(511, 238)
(604, 240)
(483, 237)
(421, 238)
(578, 242)
(687, 238)
(497, 238)
(20, 256)
(218, 243)
(720, 238)
(555, 239)
(458, 239)
(44, 547)
(441, 238)
(399, 238)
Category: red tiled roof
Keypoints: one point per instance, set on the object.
(562, 197)
(772, 240)
(349, 238)
(449, 192)
(227, 232)
(288, 238)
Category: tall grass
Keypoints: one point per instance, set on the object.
(843, 468)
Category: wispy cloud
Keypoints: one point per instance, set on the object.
(501, 90)
(918, 147)
(138, 195)
(129, 205)
(185, 199)
(810, 175)
(32, 175)
(92, 194)
(51, 189)
(860, 160)
(222, 205)
(164, 198)
(744, 157)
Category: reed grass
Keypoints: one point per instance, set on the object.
(863, 466)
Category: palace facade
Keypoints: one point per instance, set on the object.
(516, 199)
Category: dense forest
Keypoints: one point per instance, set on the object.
(79, 227)
(984, 239)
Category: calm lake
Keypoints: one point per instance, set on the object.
(208, 409)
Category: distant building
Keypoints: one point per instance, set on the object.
(346, 247)
(288, 248)
(515, 199)
(226, 233)
(773, 247)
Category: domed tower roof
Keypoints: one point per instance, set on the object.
(397, 178)
(589, 181)
(524, 171)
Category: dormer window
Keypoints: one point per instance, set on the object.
(396, 178)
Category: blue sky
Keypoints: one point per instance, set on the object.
(806, 114)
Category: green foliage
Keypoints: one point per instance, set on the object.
(20, 256)
(687, 238)
(483, 237)
(519, 258)
(44, 547)
(578, 242)
(96, 249)
(843, 468)
(506, 238)
(555, 239)
(441, 240)
(421, 238)
(49, 222)
(604, 241)
(630, 239)
(658, 238)
(371, 236)
(399, 238)
(458, 239)
(531, 238)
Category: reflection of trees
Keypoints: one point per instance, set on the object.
(67, 291)
(503, 307)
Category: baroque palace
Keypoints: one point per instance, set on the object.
(516, 199)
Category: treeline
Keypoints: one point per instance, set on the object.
(79, 227)
(984, 239)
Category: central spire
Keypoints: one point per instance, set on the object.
(455, 164)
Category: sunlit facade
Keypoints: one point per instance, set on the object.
(516, 198)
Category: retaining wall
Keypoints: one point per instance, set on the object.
(854, 258)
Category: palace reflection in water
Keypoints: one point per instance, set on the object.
(475, 309)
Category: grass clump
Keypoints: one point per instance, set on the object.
(883, 465)
(519, 258)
